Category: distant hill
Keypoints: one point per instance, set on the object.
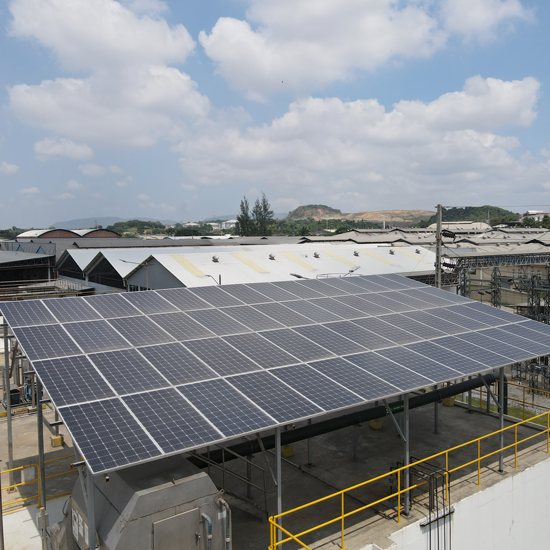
(315, 211)
(86, 223)
(475, 214)
(277, 216)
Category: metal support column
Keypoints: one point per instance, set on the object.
(501, 418)
(279, 481)
(1, 519)
(91, 510)
(43, 517)
(438, 247)
(436, 414)
(7, 391)
(406, 477)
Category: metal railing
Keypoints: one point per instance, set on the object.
(276, 529)
(36, 480)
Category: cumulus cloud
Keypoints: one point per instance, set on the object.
(143, 197)
(131, 98)
(66, 196)
(29, 191)
(92, 170)
(125, 183)
(303, 46)
(62, 147)
(115, 169)
(356, 151)
(8, 169)
(72, 184)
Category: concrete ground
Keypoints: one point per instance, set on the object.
(333, 469)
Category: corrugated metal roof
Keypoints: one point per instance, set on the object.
(8, 256)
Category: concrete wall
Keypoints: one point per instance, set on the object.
(513, 514)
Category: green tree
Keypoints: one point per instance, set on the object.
(245, 225)
(530, 222)
(545, 221)
(262, 216)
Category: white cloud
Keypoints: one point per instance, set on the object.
(8, 169)
(151, 7)
(481, 18)
(125, 183)
(302, 46)
(131, 98)
(92, 170)
(143, 197)
(115, 169)
(356, 152)
(72, 184)
(63, 147)
(188, 187)
(29, 191)
(66, 196)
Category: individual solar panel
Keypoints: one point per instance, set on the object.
(218, 322)
(405, 298)
(110, 306)
(410, 283)
(365, 338)
(315, 386)
(245, 294)
(525, 331)
(261, 350)
(283, 315)
(410, 325)
(452, 316)
(127, 371)
(488, 358)
(297, 345)
(394, 334)
(308, 309)
(183, 299)
(432, 319)
(321, 287)
(172, 422)
(418, 363)
(361, 303)
(541, 328)
(274, 292)
(221, 357)
(428, 298)
(384, 300)
(140, 331)
(445, 295)
(528, 346)
(510, 352)
(226, 408)
(251, 318)
(177, 364)
(344, 285)
(355, 379)
(367, 285)
(149, 302)
(505, 316)
(301, 291)
(181, 326)
(94, 336)
(275, 398)
(339, 345)
(26, 313)
(46, 342)
(107, 435)
(215, 296)
(479, 316)
(460, 363)
(339, 308)
(386, 283)
(390, 372)
(72, 380)
(71, 309)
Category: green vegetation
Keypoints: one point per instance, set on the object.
(494, 214)
(312, 210)
(310, 226)
(11, 233)
(201, 229)
(137, 227)
(255, 222)
(531, 222)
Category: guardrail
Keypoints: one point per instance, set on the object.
(276, 530)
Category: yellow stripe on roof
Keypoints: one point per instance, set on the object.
(249, 262)
(415, 256)
(339, 258)
(297, 260)
(192, 268)
(377, 256)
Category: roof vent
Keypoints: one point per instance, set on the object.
(417, 250)
(316, 255)
(272, 256)
(356, 252)
(215, 259)
(392, 252)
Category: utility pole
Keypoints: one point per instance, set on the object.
(438, 247)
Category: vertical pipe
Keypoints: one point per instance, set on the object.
(40, 430)
(407, 453)
(309, 450)
(7, 391)
(91, 510)
(501, 418)
(1, 519)
(56, 428)
(279, 481)
(438, 247)
(470, 398)
(436, 414)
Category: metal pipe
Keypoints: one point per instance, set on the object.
(438, 247)
(228, 533)
(91, 510)
(7, 391)
(406, 460)
(501, 418)
(208, 532)
(1, 518)
(41, 469)
(279, 481)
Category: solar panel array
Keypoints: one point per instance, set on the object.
(137, 376)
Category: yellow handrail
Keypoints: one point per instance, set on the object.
(274, 521)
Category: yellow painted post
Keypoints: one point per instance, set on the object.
(447, 476)
(516, 446)
(398, 496)
(547, 433)
(523, 402)
(479, 462)
(343, 521)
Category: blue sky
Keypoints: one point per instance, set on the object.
(175, 110)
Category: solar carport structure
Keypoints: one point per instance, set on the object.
(139, 376)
